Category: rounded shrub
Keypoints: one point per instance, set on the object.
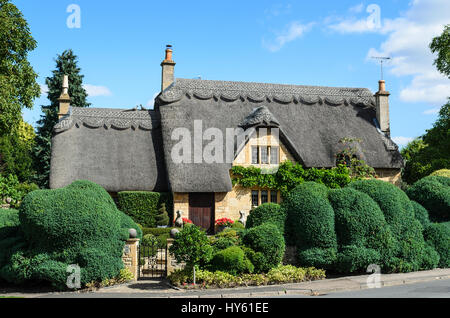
(268, 240)
(421, 214)
(433, 193)
(399, 214)
(437, 235)
(149, 240)
(318, 257)
(354, 258)
(310, 221)
(224, 242)
(78, 224)
(267, 213)
(441, 173)
(9, 223)
(231, 260)
(256, 258)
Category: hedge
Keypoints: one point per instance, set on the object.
(433, 193)
(267, 213)
(231, 260)
(355, 258)
(9, 222)
(78, 224)
(438, 236)
(267, 240)
(409, 251)
(310, 219)
(421, 214)
(143, 206)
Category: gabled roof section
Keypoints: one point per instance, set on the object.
(264, 92)
(260, 116)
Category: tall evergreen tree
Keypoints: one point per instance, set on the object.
(66, 64)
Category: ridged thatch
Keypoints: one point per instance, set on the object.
(313, 119)
(116, 148)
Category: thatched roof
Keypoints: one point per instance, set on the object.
(116, 148)
(313, 118)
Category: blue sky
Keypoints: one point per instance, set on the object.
(120, 46)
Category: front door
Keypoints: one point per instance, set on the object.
(201, 210)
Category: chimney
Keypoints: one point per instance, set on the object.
(64, 99)
(168, 66)
(382, 108)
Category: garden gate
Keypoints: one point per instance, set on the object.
(152, 261)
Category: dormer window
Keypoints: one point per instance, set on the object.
(264, 152)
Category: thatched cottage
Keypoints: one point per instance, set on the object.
(164, 149)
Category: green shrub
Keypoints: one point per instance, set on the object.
(231, 260)
(143, 206)
(256, 258)
(318, 257)
(437, 235)
(433, 193)
(354, 258)
(78, 224)
(400, 216)
(222, 243)
(9, 222)
(237, 225)
(149, 240)
(156, 231)
(421, 214)
(162, 218)
(310, 220)
(441, 173)
(267, 213)
(10, 187)
(268, 240)
(191, 245)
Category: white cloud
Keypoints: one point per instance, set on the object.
(293, 32)
(407, 43)
(357, 8)
(431, 111)
(402, 141)
(44, 89)
(94, 90)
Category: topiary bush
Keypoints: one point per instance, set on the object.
(310, 220)
(142, 206)
(355, 258)
(231, 260)
(400, 216)
(267, 213)
(441, 173)
(437, 235)
(421, 214)
(78, 224)
(268, 240)
(433, 193)
(162, 218)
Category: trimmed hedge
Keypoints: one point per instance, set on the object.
(433, 193)
(78, 224)
(267, 213)
(441, 173)
(438, 236)
(310, 222)
(143, 206)
(421, 214)
(231, 260)
(353, 258)
(268, 240)
(409, 252)
(9, 222)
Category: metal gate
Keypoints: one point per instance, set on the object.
(152, 261)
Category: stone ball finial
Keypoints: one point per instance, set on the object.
(174, 232)
(132, 233)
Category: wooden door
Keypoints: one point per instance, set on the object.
(201, 210)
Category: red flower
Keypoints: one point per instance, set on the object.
(224, 222)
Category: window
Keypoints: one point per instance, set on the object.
(264, 196)
(273, 197)
(255, 198)
(264, 155)
(273, 155)
(255, 155)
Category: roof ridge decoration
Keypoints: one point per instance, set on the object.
(119, 119)
(259, 116)
(264, 92)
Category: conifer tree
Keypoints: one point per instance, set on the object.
(162, 218)
(66, 64)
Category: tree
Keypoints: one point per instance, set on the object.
(18, 86)
(162, 218)
(441, 46)
(66, 64)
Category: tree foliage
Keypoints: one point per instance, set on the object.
(441, 46)
(66, 64)
(18, 86)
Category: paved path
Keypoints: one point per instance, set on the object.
(337, 286)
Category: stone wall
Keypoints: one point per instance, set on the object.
(172, 263)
